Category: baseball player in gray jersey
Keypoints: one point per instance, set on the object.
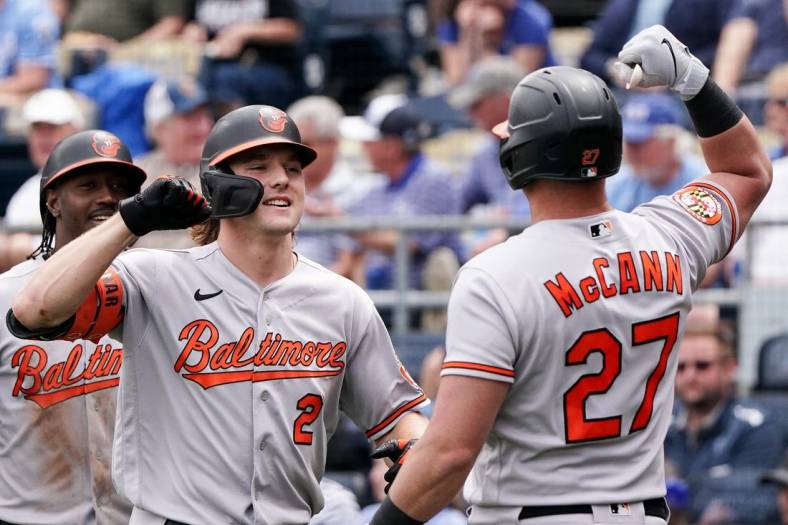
(57, 399)
(561, 342)
(239, 353)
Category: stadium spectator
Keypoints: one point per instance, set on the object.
(752, 43)
(392, 134)
(318, 118)
(779, 478)
(776, 109)
(105, 23)
(621, 19)
(29, 32)
(51, 115)
(720, 445)
(331, 185)
(473, 29)
(655, 163)
(485, 95)
(178, 121)
(251, 49)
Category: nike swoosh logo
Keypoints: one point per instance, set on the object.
(672, 54)
(202, 297)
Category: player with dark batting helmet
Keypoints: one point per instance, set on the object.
(57, 398)
(89, 151)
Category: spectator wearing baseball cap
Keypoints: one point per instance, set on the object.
(392, 133)
(655, 160)
(485, 96)
(177, 121)
(779, 477)
(50, 115)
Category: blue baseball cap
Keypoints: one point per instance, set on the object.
(166, 98)
(644, 112)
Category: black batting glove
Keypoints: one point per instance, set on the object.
(170, 203)
(396, 451)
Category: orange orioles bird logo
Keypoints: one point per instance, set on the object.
(272, 119)
(106, 144)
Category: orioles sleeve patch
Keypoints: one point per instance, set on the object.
(699, 203)
(101, 311)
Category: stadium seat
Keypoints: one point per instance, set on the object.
(773, 365)
(771, 388)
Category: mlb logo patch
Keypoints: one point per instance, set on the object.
(620, 509)
(601, 229)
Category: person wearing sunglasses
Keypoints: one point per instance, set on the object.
(717, 444)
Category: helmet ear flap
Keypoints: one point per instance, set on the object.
(230, 195)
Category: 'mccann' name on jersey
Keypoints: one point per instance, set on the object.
(645, 272)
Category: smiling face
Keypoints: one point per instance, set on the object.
(86, 199)
(705, 373)
(279, 170)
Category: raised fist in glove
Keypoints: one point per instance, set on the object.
(396, 451)
(656, 58)
(170, 203)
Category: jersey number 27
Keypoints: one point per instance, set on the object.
(580, 428)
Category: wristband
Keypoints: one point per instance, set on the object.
(41, 334)
(390, 514)
(712, 110)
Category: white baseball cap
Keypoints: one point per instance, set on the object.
(53, 106)
(367, 128)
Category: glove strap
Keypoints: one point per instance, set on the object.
(712, 110)
(390, 514)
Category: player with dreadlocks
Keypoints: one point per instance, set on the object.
(57, 398)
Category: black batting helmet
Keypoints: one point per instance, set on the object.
(563, 124)
(233, 195)
(86, 148)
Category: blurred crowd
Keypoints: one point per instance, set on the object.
(399, 97)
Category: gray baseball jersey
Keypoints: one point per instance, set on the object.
(582, 317)
(229, 392)
(57, 414)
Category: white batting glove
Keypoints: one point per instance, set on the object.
(656, 58)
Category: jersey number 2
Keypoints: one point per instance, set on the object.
(310, 406)
(579, 427)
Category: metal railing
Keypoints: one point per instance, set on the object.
(401, 299)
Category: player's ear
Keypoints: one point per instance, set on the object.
(53, 202)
